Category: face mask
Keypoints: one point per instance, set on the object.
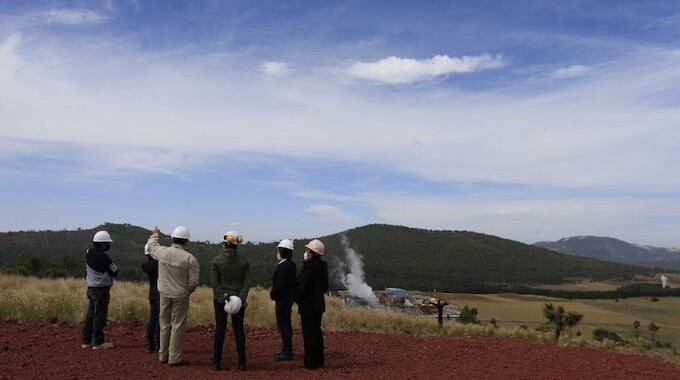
(278, 257)
(305, 256)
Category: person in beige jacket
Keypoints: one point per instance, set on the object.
(178, 272)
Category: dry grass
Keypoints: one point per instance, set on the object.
(30, 299)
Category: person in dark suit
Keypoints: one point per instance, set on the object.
(284, 286)
(153, 327)
(312, 285)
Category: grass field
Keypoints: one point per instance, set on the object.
(617, 316)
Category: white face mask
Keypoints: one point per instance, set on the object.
(278, 257)
(305, 256)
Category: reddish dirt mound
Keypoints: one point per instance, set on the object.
(43, 351)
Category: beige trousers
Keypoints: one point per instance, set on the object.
(173, 321)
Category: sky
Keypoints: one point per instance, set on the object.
(528, 120)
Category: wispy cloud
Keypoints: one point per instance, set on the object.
(571, 72)
(73, 16)
(274, 69)
(328, 212)
(396, 70)
(531, 220)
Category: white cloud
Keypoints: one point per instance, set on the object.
(71, 16)
(397, 70)
(8, 58)
(274, 69)
(328, 212)
(571, 72)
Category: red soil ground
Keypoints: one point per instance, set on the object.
(44, 351)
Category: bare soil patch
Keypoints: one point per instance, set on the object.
(51, 351)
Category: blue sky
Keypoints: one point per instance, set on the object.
(529, 120)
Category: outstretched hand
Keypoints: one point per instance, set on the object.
(156, 230)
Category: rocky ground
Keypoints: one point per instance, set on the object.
(52, 351)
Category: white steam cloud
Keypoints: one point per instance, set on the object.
(664, 281)
(351, 274)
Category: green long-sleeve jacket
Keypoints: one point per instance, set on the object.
(230, 273)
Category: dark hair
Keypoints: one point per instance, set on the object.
(105, 246)
(285, 253)
(180, 241)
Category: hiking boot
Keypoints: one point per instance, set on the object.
(280, 357)
(103, 346)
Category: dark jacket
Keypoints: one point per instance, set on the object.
(230, 273)
(284, 282)
(151, 269)
(100, 269)
(312, 285)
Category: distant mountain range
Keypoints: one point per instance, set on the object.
(614, 250)
(393, 256)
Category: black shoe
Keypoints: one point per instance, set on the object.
(280, 357)
(163, 361)
(178, 364)
(217, 366)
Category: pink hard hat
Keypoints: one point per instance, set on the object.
(317, 246)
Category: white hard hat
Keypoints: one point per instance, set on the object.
(232, 237)
(286, 243)
(102, 237)
(233, 305)
(181, 232)
(146, 248)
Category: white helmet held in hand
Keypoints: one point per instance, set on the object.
(233, 305)
(102, 237)
(181, 232)
(286, 243)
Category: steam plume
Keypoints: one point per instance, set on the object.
(350, 273)
(664, 281)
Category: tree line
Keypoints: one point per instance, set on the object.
(393, 256)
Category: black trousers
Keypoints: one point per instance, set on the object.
(153, 326)
(221, 329)
(97, 311)
(283, 311)
(313, 340)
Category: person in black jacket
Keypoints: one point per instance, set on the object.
(153, 327)
(312, 285)
(101, 272)
(283, 291)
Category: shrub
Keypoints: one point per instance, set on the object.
(600, 334)
(468, 315)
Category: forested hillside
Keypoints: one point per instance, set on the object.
(393, 256)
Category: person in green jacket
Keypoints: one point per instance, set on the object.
(229, 277)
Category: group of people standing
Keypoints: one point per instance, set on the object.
(173, 275)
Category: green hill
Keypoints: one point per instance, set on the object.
(393, 256)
